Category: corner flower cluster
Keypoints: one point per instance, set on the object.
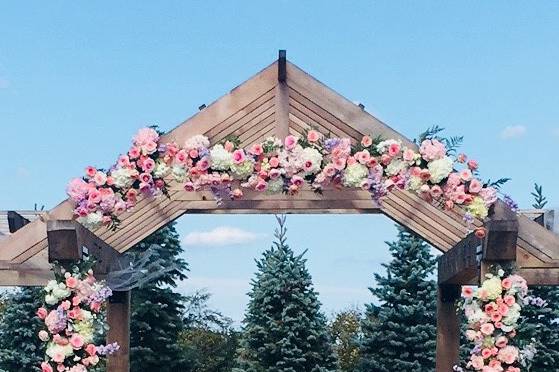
(276, 166)
(73, 319)
(493, 312)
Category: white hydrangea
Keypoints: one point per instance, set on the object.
(56, 349)
(513, 315)
(178, 172)
(92, 220)
(221, 159)
(197, 142)
(161, 169)
(314, 156)
(440, 169)
(383, 146)
(395, 167)
(275, 186)
(354, 175)
(122, 177)
(414, 183)
(493, 287)
(243, 170)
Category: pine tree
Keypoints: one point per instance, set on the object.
(156, 319)
(540, 319)
(284, 330)
(20, 347)
(400, 333)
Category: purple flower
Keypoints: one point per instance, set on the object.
(100, 296)
(108, 349)
(510, 203)
(468, 218)
(331, 143)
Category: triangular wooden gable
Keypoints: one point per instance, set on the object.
(279, 100)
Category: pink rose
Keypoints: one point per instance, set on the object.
(496, 317)
(363, 156)
(486, 353)
(148, 165)
(274, 162)
(501, 342)
(461, 158)
(90, 171)
(290, 142)
(475, 186)
(477, 361)
(472, 164)
(237, 193)
(329, 170)
(76, 341)
(261, 185)
(274, 174)
(293, 189)
(238, 156)
(71, 282)
(394, 149)
(506, 283)
(42, 313)
(409, 155)
(58, 357)
(297, 181)
(134, 152)
(373, 162)
(339, 163)
(366, 141)
(313, 136)
(503, 309)
(436, 192)
(509, 300)
(256, 149)
(91, 349)
(193, 153)
(467, 292)
(94, 196)
(466, 175)
(45, 367)
(487, 329)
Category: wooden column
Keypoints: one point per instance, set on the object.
(118, 319)
(448, 327)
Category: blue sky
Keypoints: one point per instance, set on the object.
(77, 79)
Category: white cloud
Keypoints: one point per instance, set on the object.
(513, 131)
(221, 236)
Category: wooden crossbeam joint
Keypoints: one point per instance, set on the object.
(502, 234)
(69, 241)
(461, 263)
(282, 66)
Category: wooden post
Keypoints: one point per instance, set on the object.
(448, 327)
(282, 98)
(118, 319)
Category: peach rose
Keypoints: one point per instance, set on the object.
(366, 141)
(313, 136)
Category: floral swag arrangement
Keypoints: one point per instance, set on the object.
(493, 314)
(276, 166)
(73, 319)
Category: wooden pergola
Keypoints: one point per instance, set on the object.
(282, 99)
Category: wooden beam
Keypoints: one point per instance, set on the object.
(68, 240)
(282, 68)
(502, 234)
(118, 319)
(460, 264)
(16, 221)
(448, 327)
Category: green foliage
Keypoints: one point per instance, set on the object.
(497, 184)
(540, 201)
(156, 319)
(345, 330)
(208, 340)
(20, 347)
(284, 330)
(399, 334)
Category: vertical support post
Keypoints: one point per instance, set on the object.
(282, 98)
(118, 319)
(448, 327)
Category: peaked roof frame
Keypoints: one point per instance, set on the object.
(281, 99)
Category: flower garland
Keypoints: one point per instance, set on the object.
(276, 166)
(72, 317)
(493, 313)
